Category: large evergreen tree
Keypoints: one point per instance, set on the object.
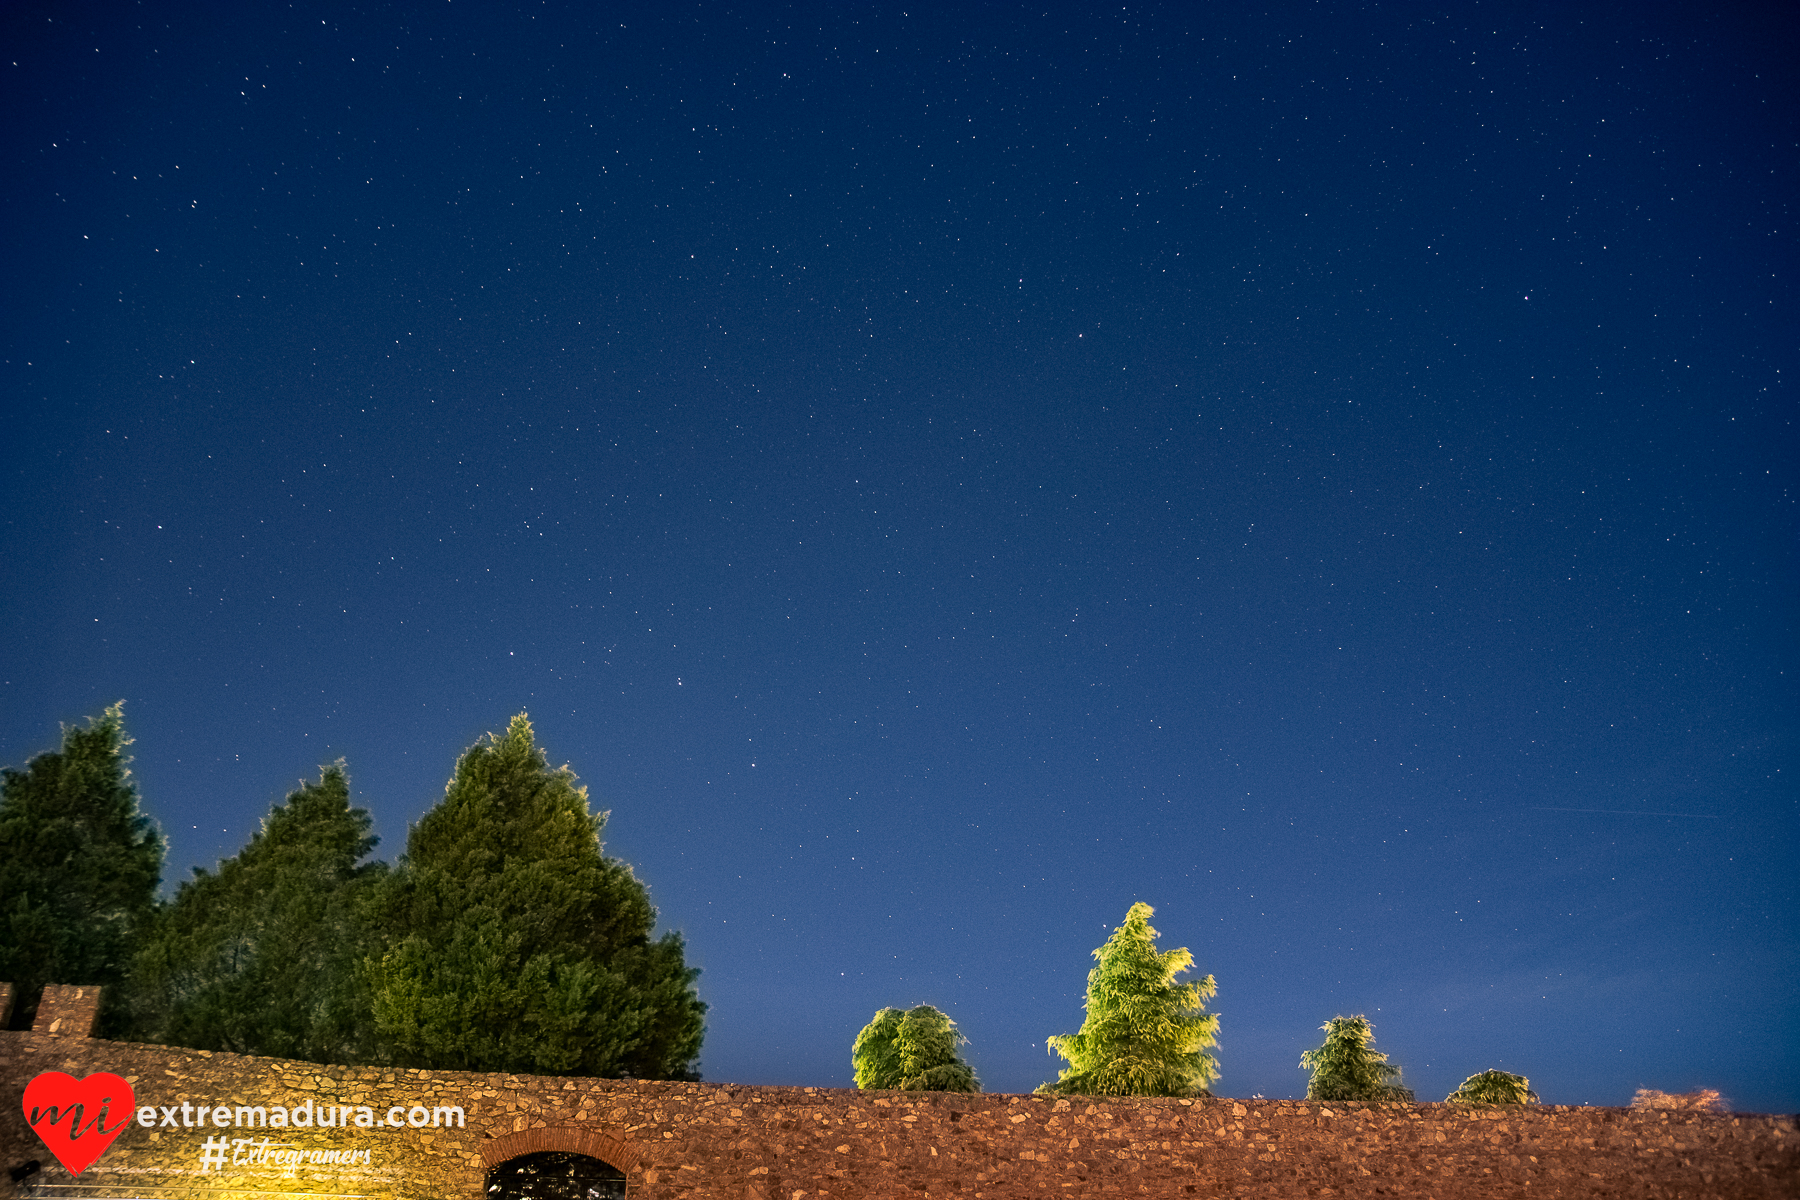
(516, 945)
(1347, 1067)
(912, 1051)
(263, 955)
(79, 865)
(1145, 1034)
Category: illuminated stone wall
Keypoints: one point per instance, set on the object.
(65, 1009)
(763, 1143)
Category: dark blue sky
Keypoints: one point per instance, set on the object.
(942, 477)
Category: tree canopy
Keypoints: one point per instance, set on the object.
(79, 864)
(1493, 1087)
(1347, 1068)
(262, 956)
(516, 945)
(914, 1051)
(1144, 1034)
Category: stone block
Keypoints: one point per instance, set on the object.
(68, 1010)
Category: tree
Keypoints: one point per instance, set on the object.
(79, 864)
(516, 945)
(1345, 1068)
(913, 1051)
(1145, 1034)
(1493, 1087)
(263, 956)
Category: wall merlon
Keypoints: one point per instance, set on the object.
(67, 1010)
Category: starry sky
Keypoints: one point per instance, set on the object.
(940, 476)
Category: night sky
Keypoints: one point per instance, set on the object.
(941, 476)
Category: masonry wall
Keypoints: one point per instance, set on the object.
(762, 1143)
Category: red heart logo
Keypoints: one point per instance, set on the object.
(72, 1115)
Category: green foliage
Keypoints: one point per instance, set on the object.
(1145, 1034)
(1346, 1068)
(79, 864)
(516, 945)
(913, 1051)
(262, 957)
(1493, 1087)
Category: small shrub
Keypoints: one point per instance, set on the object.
(1699, 1100)
(1493, 1087)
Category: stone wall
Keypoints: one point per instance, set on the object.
(765, 1143)
(67, 1008)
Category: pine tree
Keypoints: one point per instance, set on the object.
(1145, 1034)
(1346, 1068)
(79, 865)
(516, 945)
(1493, 1087)
(913, 1051)
(263, 956)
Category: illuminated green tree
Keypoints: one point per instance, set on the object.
(262, 956)
(515, 944)
(1145, 1034)
(79, 865)
(1346, 1068)
(913, 1051)
(1493, 1087)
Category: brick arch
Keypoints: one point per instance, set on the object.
(574, 1139)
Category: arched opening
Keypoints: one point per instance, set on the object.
(555, 1175)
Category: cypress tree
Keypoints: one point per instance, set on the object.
(1346, 1068)
(1145, 1034)
(516, 945)
(913, 1051)
(263, 955)
(79, 864)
